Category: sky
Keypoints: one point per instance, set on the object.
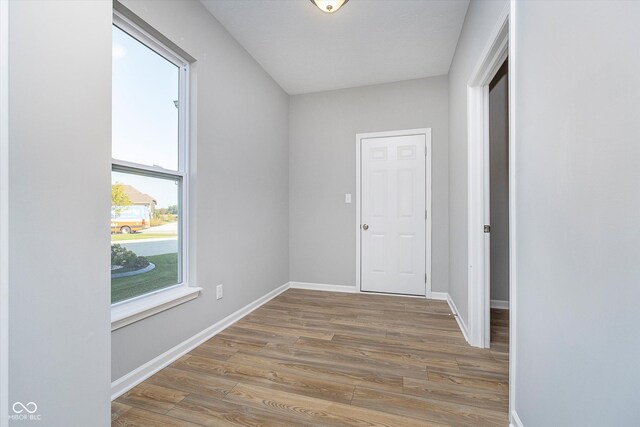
(144, 116)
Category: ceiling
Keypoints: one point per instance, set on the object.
(365, 42)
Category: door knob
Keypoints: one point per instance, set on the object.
(365, 227)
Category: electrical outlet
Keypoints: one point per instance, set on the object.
(347, 198)
(218, 291)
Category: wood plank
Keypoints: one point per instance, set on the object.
(429, 348)
(319, 309)
(328, 371)
(286, 330)
(328, 325)
(281, 379)
(294, 313)
(317, 411)
(427, 336)
(500, 352)
(486, 367)
(136, 417)
(496, 401)
(214, 412)
(348, 361)
(377, 327)
(246, 333)
(234, 343)
(468, 381)
(427, 409)
(398, 357)
(152, 397)
(118, 409)
(192, 382)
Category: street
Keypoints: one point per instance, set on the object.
(151, 247)
(154, 246)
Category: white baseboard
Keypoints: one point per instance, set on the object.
(322, 287)
(515, 420)
(444, 296)
(441, 296)
(502, 305)
(456, 313)
(135, 377)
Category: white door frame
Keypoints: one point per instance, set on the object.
(359, 137)
(500, 45)
(490, 61)
(4, 213)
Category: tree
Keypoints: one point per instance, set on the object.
(173, 209)
(119, 198)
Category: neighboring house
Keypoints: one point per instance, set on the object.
(139, 198)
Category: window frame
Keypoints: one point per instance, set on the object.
(152, 302)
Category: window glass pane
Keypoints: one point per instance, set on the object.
(145, 104)
(145, 234)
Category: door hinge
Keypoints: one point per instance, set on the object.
(487, 229)
(426, 215)
(425, 277)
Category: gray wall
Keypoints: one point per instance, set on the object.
(60, 149)
(481, 19)
(499, 171)
(240, 217)
(322, 160)
(578, 203)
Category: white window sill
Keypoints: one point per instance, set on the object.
(129, 312)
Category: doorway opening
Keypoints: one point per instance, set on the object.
(499, 211)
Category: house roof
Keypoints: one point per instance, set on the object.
(137, 197)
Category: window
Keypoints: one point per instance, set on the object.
(149, 161)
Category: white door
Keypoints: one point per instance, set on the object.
(393, 215)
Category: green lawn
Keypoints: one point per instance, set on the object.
(140, 236)
(165, 274)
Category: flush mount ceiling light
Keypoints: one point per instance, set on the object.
(329, 6)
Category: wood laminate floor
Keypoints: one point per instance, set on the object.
(309, 358)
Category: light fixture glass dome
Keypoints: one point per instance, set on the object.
(329, 6)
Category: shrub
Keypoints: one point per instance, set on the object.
(140, 262)
(128, 259)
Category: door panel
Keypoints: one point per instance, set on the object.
(406, 249)
(393, 247)
(378, 253)
(379, 187)
(406, 193)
